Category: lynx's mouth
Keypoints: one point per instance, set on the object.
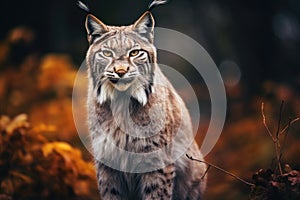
(121, 84)
(121, 80)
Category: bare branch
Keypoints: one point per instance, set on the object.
(265, 123)
(206, 171)
(286, 131)
(277, 151)
(289, 124)
(222, 170)
(279, 120)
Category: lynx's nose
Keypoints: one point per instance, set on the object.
(121, 70)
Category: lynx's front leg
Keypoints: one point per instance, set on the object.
(158, 184)
(109, 183)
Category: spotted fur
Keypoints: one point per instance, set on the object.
(132, 105)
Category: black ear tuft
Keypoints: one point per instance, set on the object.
(145, 26)
(83, 6)
(94, 27)
(156, 3)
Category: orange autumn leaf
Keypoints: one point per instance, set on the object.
(33, 168)
(19, 121)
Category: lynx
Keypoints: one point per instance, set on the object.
(132, 107)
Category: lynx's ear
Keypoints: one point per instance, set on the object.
(145, 26)
(94, 27)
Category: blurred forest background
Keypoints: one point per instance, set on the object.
(254, 43)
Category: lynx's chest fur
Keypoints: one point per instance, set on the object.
(139, 125)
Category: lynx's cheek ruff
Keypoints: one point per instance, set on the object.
(110, 90)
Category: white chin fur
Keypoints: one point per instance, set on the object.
(108, 92)
(122, 87)
(140, 95)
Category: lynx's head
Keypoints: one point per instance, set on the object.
(121, 59)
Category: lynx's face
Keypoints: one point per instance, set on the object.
(120, 59)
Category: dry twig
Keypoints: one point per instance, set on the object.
(276, 137)
(220, 169)
(264, 121)
(289, 124)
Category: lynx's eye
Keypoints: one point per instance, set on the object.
(134, 53)
(107, 53)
